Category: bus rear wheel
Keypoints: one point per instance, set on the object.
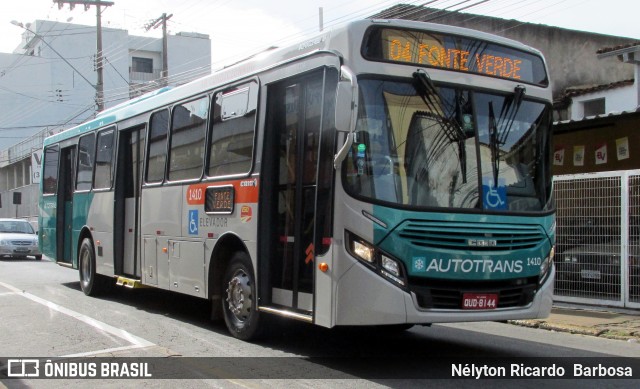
(92, 284)
(240, 301)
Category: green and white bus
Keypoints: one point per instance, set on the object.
(384, 173)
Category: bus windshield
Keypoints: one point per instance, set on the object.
(418, 145)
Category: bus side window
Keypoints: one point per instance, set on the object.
(188, 129)
(86, 151)
(158, 129)
(103, 177)
(234, 119)
(50, 169)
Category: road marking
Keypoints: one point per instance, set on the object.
(105, 351)
(136, 341)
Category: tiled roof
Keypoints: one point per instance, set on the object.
(615, 48)
(564, 100)
(579, 91)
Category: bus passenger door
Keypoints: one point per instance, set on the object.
(64, 223)
(294, 208)
(127, 202)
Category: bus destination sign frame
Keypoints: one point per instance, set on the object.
(452, 52)
(219, 200)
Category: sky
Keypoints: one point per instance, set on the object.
(239, 28)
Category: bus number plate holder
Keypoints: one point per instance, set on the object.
(479, 301)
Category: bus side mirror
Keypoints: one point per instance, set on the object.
(346, 111)
(344, 102)
(344, 119)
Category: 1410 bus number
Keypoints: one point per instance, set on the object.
(195, 194)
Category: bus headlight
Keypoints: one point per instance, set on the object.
(392, 270)
(377, 261)
(390, 265)
(364, 251)
(546, 265)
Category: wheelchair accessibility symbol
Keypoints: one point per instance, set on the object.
(494, 197)
(193, 222)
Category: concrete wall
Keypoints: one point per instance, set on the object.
(27, 98)
(29, 207)
(196, 48)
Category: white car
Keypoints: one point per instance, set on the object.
(18, 239)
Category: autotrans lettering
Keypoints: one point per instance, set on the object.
(458, 265)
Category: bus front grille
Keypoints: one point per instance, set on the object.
(447, 294)
(471, 236)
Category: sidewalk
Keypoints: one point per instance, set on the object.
(588, 320)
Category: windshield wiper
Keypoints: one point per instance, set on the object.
(510, 109)
(497, 137)
(450, 126)
(494, 145)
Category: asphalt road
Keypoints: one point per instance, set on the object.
(44, 314)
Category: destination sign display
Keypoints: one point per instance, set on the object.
(219, 199)
(453, 52)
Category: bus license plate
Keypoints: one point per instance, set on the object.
(479, 301)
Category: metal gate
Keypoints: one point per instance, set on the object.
(598, 238)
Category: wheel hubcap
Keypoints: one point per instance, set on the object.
(239, 299)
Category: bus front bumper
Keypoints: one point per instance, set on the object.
(365, 298)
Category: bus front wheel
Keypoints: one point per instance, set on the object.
(240, 301)
(91, 283)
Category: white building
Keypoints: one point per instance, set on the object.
(620, 96)
(601, 99)
(49, 83)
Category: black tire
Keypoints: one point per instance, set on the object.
(38, 257)
(239, 298)
(92, 284)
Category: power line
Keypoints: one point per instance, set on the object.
(98, 4)
(52, 49)
(161, 21)
(121, 93)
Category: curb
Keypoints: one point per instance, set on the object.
(602, 333)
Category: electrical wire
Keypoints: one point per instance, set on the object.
(115, 52)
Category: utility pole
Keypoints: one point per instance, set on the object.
(87, 4)
(164, 76)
